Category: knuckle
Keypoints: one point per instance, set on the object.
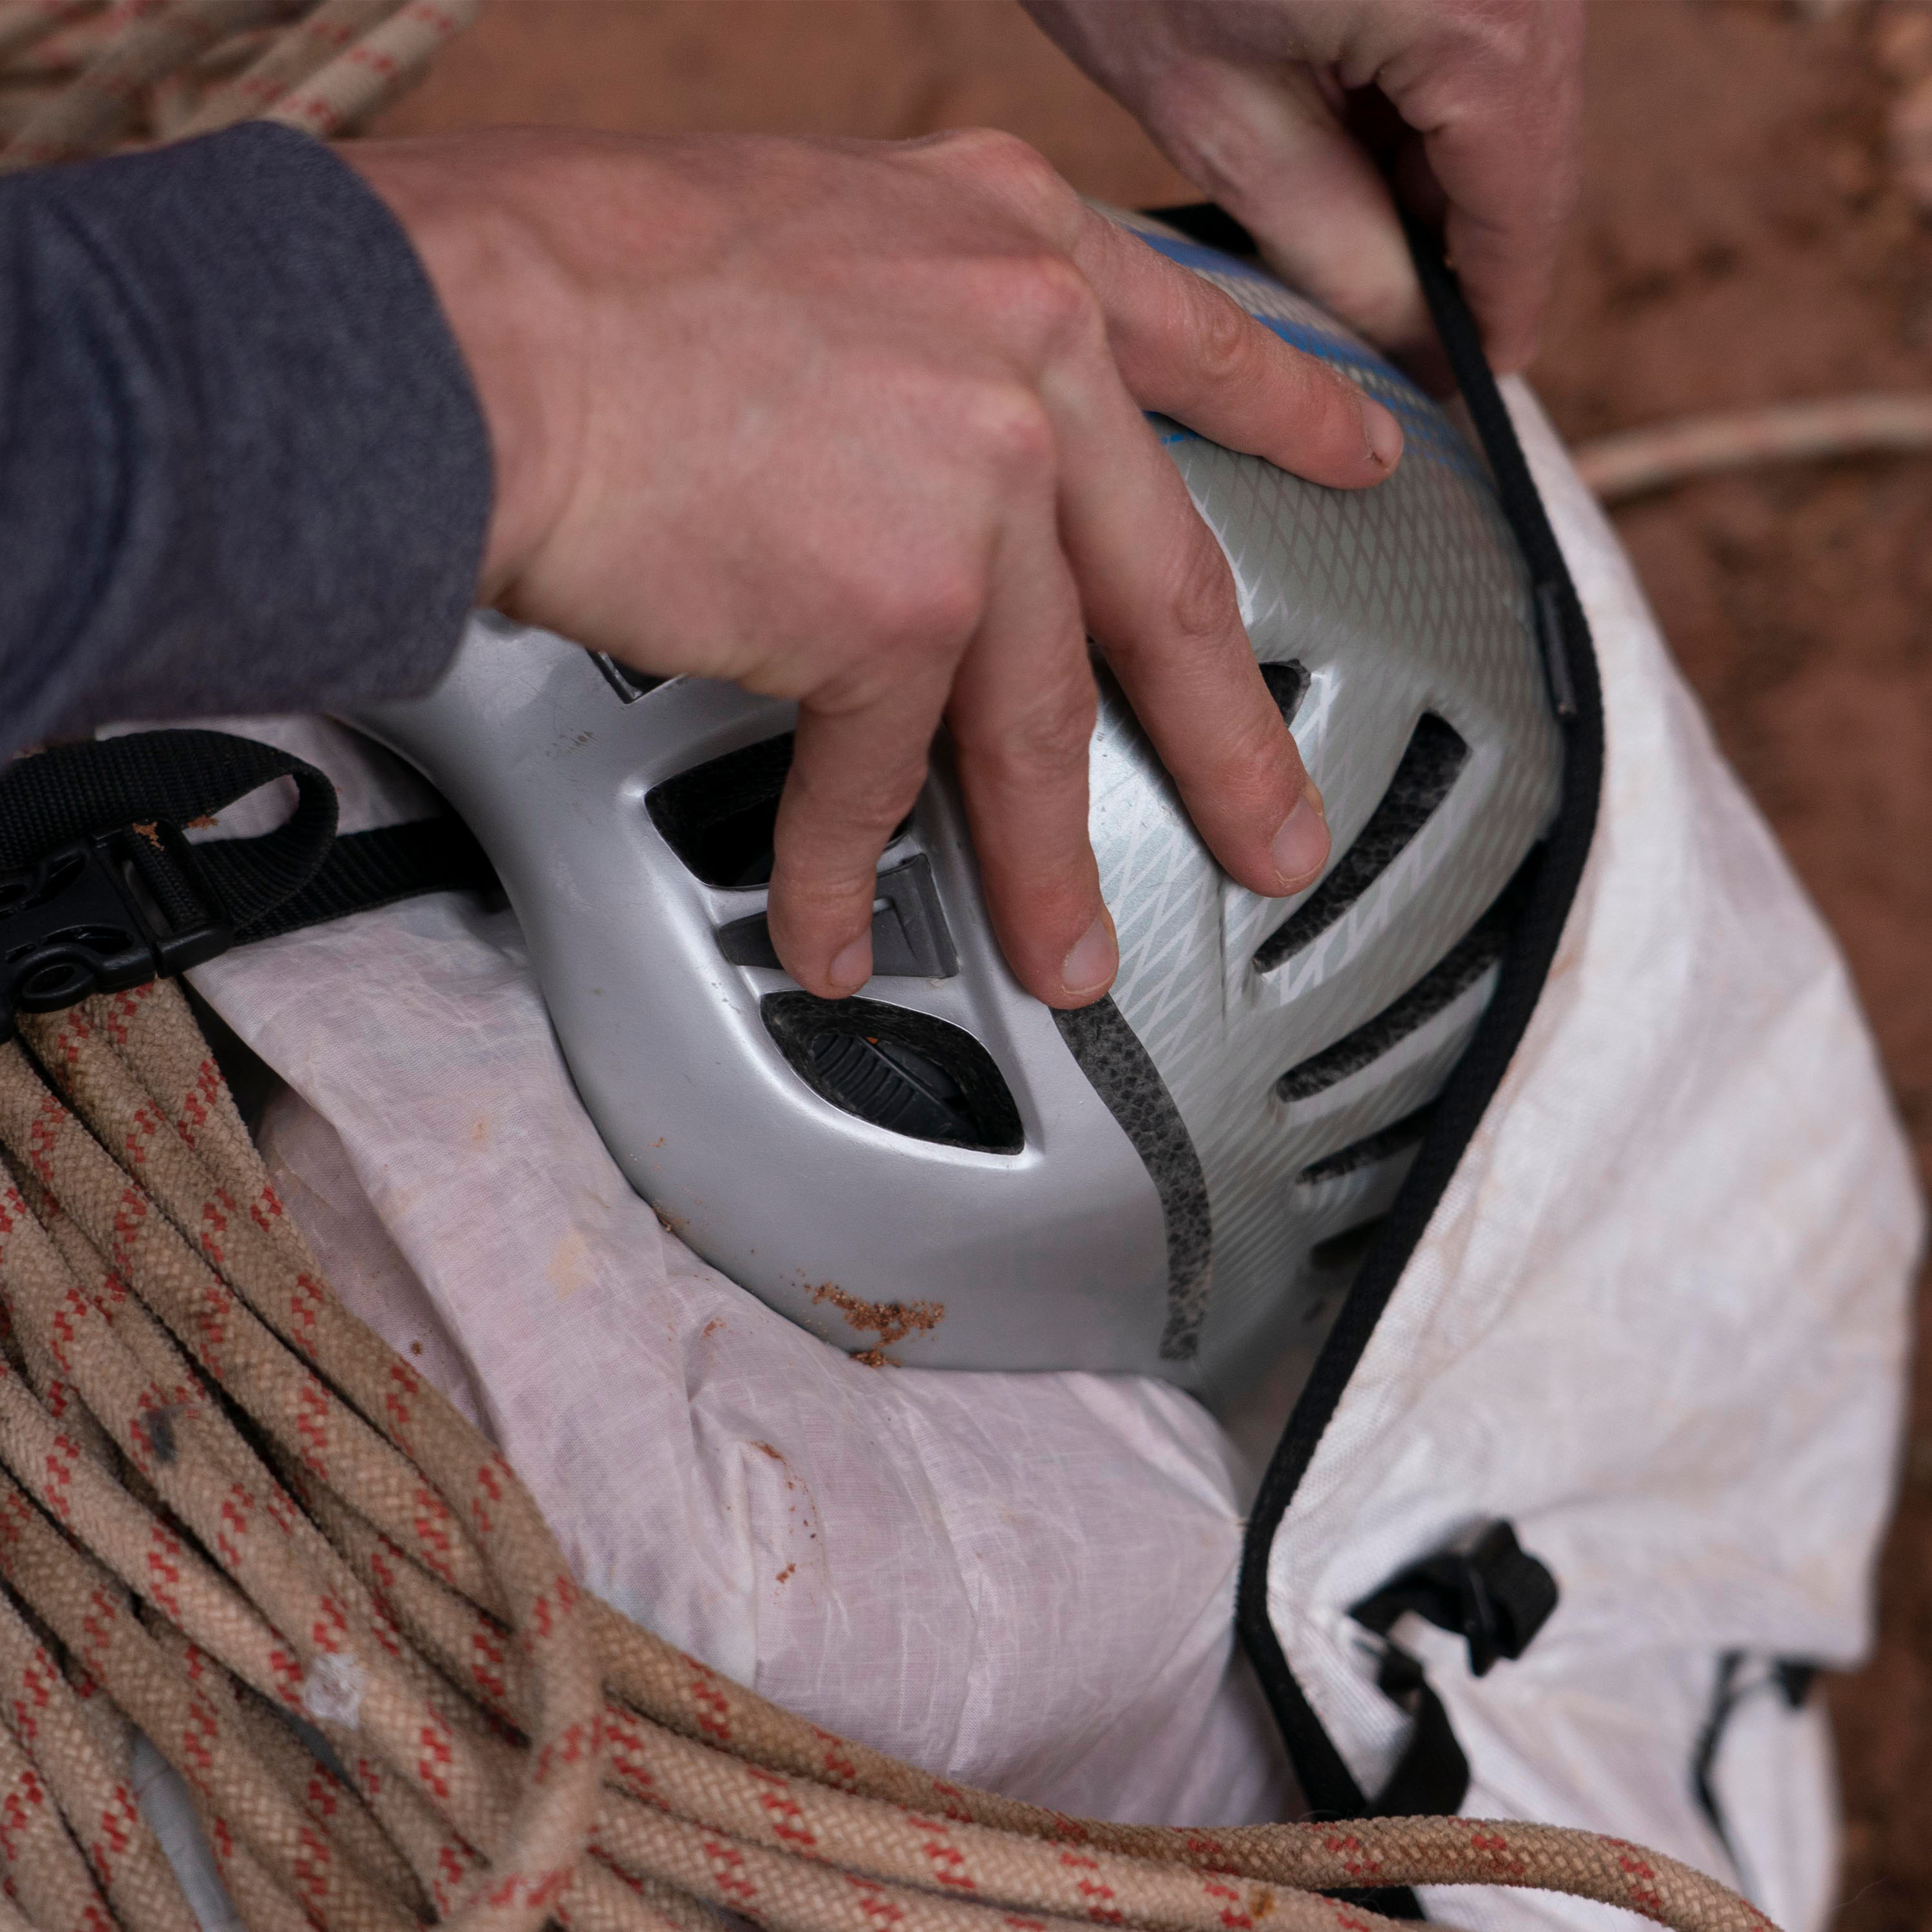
(923, 599)
(1049, 302)
(1223, 345)
(943, 606)
(1004, 161)
(1050, 737)
(1005, 426)
(844, 826)
(1011, 171)
(1201, 604)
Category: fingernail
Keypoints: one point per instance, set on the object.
(852, 966)
(1094, 959)
(1300, 847)
(1383, 433)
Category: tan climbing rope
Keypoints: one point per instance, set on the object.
(225, 1504)
(80, 77)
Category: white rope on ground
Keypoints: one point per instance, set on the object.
(1632, 463)
(228, 1504)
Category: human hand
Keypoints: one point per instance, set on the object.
(1275, 109)
(860, 425)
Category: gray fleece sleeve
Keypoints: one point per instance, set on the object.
(242, 466)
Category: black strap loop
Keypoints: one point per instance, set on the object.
(76, 792)
(1489, 1590)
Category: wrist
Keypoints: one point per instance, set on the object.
(471, 221)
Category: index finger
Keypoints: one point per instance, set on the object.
(1186, 348)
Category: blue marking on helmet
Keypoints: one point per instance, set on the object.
(1425, 429)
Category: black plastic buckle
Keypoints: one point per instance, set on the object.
(1487, 1588)
(103, 913)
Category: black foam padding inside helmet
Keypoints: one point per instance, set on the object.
(1459, 969)
(1436, 753)
(1288, 685)
(1393, 1139)
(901, 1070)
(720, 818)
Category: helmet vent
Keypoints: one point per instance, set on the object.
(899, 1070)
(1457, 971)
(1371, 1150)
(1347, 1251)
(719, 817)
(629, 684)
(1435, 754)
(1288, 685)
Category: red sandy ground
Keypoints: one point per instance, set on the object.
(1739, 242)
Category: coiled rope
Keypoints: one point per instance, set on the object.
(79, 77)
(225, 1503)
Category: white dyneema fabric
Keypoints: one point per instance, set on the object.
(1657, 1320)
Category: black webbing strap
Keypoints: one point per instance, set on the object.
(1791, 1678)
(1561, 626)
(100, 889)
(363, 870)
(1431, 1778)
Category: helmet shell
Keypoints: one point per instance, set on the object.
(1175, 1183)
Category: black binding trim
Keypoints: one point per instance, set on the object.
(1792, 1678)
(1326, 1782)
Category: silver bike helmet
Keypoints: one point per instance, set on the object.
(1176, 1182)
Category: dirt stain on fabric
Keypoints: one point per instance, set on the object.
(569, 1265)
(890, 1320)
